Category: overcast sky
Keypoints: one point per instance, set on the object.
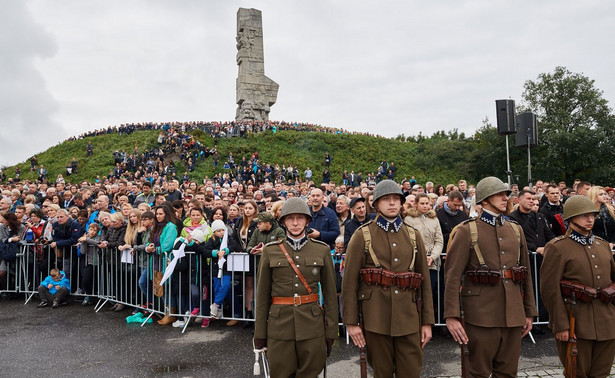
(69, 66)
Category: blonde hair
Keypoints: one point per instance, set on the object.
(275, 207)
(131, 229)
(54, 206)
(592, 194)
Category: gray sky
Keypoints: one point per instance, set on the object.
(69, 66)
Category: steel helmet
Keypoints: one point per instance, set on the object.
(386, 187)
(578, 205)
(488, 187)
(295, 205)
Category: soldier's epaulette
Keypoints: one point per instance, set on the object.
(318, 241)
(558, 238)
(468, 220)
(274, 242)
(600, 238)
(365, 224)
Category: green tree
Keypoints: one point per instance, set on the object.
(574, 127)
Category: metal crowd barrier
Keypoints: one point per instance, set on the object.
(113, 276)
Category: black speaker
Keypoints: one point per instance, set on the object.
(526, 127)
(505, 112)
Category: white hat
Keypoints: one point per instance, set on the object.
(198, 234)
(218, 225)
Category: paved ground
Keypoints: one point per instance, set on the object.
(75, 341)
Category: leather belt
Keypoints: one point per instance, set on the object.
(295, 300)
(507, 274)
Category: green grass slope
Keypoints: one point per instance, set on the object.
(360, 153)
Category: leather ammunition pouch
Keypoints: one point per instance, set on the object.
(519, 274)
(577, 290)
(387, 278)
(484, 276)
(607, 295)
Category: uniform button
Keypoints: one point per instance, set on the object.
(298, 265)
(469, 291)
(394, 244)
(278, 263)
(504, 267)
(314, 262)
(505, 281)
(396, 259)
(598, 277)
(296, 257)
(296, 276)
(396, 291)
(596, 266)
(500, 239)
(589, 246)
(362, 295)
(296, 285)
(593, 256)
(502, 252)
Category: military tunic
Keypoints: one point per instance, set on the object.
(587, 261)
(296, 334)
(489, 310)
(390, 312)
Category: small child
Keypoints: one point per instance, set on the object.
(54, 288)
(221, 285)
(88, 245)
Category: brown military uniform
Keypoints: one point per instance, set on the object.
(390, 316)
(590, 265)
(295, 334)
(494, 315)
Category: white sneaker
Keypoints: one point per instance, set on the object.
(179, 323)
(215, 311)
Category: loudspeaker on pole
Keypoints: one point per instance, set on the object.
(527, 130)
(505, 112)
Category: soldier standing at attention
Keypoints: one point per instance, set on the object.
(487, 258)
(385, 264)
(577, 277)
(289, 320)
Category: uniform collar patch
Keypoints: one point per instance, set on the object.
(386, 225)
(297, 244)
(491, 218)
(582, 239)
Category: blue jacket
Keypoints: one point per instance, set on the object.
(63, 282)
(66, 235)
(325, 221)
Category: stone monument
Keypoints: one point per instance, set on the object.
(255, 91)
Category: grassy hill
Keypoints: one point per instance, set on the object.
(350, 152)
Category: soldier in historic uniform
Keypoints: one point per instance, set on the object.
(385, 264)
(577, 278)
(289, 319)
(487, 259)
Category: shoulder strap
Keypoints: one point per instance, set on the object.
(412, 234)
(297, 272)
(474, 242)
(367, 237)
(515, 228)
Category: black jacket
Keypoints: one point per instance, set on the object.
(605, 225)
(551, 215)
(535, 227)
(448, 222)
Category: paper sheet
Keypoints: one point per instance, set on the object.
(127, 257)
(238, 262)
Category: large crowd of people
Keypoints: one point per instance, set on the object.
(144, 206)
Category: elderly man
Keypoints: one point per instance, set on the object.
(5, 205)
(324, 225)
(342, 208)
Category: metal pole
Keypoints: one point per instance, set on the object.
(529, 164)
(508, 171)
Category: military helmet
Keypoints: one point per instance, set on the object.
(578, 205)
(488, 187)
(265, 217)
(295, 205)
(386, 187)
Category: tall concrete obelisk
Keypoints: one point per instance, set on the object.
(255, 91)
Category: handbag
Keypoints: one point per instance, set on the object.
(8, 251)
(158, 289)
